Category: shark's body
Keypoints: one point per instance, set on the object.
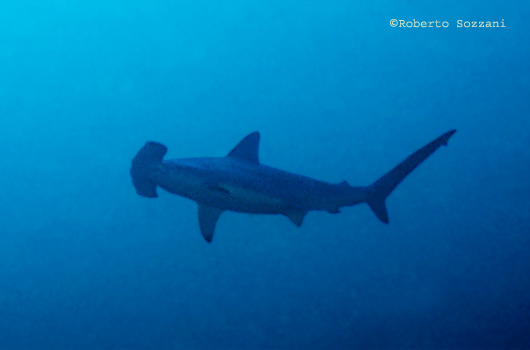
(238, 182)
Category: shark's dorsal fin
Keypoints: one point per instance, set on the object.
(207, 219)
(296, 216)
(247, 149)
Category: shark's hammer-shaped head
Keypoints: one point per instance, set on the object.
(147, 159)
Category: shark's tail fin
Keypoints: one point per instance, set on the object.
(143, 167)
(377, 192)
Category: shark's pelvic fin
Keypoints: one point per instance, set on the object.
(381, 189)
(208, 217)
(296, 216)
(247, 149)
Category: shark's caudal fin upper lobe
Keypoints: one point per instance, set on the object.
(381, 189)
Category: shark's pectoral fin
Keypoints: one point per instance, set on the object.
(296, 216)
(208, 217)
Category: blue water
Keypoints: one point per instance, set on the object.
(337, 94)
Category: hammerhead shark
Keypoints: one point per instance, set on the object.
(238, 182)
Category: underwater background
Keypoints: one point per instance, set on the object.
(337, 94)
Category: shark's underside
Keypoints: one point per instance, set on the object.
(238, 182)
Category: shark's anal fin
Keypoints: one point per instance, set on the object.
(296, 216)
(247, 149)
(208, 217)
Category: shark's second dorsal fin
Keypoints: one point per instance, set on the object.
(247, 149)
